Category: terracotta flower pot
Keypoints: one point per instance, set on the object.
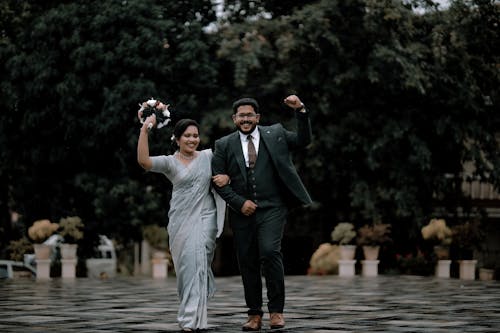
(68, 251)
(347, 252)
(371, 252)
(42, 251)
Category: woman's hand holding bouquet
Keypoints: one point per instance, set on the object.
(156, 108)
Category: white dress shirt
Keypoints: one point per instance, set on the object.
(244, 143)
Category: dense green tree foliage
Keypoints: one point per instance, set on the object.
(400, 99)
(72, 76)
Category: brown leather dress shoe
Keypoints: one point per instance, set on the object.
(277, 320)
(253, 323)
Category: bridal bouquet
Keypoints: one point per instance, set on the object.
(156, 107)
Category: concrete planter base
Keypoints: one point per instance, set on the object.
(443, 269)
(369, 267)
(346, 267)
(467, 269)
(42, 269)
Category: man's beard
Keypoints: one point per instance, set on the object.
(249, 131)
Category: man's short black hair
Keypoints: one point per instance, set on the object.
(246, 101)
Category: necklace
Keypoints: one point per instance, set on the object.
(186, 157)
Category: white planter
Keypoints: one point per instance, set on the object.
(68, 268)
(467, 269)
(443, 268)
(369, 267)
(42, 269)
(347, 252)
(486, 274)
(346, 267)
(160, 268)
(68, 251)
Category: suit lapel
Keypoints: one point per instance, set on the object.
(265, 135)
(267, 139)
(238, 153)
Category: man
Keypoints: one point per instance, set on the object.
(264, 183)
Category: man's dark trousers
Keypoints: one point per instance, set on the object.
(258, 240)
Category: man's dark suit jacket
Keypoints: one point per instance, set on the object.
(228, 159)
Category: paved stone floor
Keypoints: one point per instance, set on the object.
(314, 304)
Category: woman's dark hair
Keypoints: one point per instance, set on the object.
(180, 127)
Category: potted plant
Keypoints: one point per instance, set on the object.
(466, 238)
(70, 229)
(439, 234)
(344, 234)
(18, 248)
(157, 237)
(370, 237)
(324, 260)
(39, 232)
(487, 262)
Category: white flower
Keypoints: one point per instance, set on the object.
(152, 102)
(151, 105)
(163, 123)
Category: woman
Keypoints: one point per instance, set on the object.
(195, 220)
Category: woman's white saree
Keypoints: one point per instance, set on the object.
(194, 222)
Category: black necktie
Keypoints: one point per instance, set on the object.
(252, 154)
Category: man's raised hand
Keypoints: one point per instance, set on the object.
(294, 102)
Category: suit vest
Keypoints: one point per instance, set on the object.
(264, 186)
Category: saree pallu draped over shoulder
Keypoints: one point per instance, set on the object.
(194, 223)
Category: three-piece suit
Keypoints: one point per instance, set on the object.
(274, 185)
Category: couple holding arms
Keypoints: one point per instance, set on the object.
(251, 172)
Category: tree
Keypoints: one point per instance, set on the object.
(395, 97)
(74, 76)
